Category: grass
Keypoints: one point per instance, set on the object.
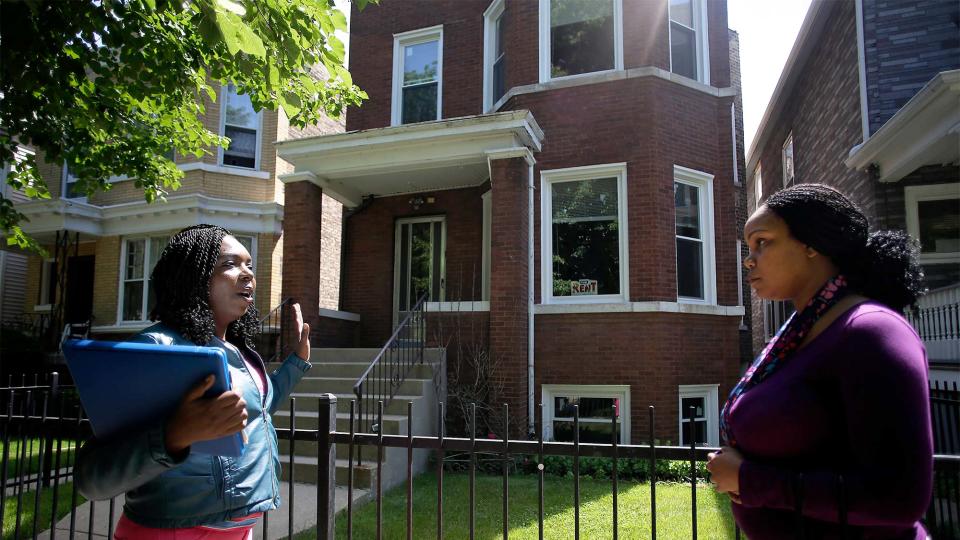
(714, 519)
(29, 508)
(32, 448)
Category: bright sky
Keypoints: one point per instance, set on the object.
(767, 31)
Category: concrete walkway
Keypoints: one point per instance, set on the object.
(305, 514)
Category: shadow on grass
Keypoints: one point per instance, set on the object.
(714, 519)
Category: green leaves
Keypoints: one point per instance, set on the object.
(110, 86)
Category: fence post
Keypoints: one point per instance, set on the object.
(326, 465)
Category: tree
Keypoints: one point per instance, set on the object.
(111, 86)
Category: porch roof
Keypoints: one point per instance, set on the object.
(925, 131)
(410, 158)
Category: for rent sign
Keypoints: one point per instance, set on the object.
(583, 287)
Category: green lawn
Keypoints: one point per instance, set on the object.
(28, 508)
(714, 519)
(32, 448)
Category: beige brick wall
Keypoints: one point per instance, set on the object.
(269, 255)
(106, 279)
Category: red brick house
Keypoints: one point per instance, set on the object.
(561, 175)
(868, 102)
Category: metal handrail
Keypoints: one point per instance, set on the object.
(390, 374)
(273, 319)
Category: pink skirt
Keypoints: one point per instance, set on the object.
(128, 530)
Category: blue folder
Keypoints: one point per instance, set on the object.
(124, 386)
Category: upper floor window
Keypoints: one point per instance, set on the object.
(688, 43)
(579, 37)
(787, 159)
(417, 76)
(241, 124)
(757, 187)
(584, 234)
(693, 203)
(69, 190)
(494, 62)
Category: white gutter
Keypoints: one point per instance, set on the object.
(531, 393)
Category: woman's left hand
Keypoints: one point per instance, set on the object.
(303, 347)
(724, 467)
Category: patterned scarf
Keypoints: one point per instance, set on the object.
(785, 343)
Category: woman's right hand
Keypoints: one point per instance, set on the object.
(200, 419)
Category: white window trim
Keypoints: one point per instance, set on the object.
(702, 41)
(704, 181)
(787, 182)
(485, 247)
(710, 394)
(589, 172)
(620, 391)
(223, 127)
(400, 41)
(253, 248)
(490, 17)
(912, 196)
(770, 331)
(545, 52)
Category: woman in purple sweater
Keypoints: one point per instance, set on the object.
(828, 432)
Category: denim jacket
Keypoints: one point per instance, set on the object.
(198, 489)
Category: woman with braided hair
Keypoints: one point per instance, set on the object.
(828, 433)
(204, 285)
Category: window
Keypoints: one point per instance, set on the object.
(688, 43)
(787, 160)
(579, 37)
(417, 76)
(48, 283)
(757, 188)
(584, 234)
(494, 83)
(69, 190)
(775, 314)
(241, 124)
(933, 218)
(699, 413)
(138, 259)
(693, 204)
(733, 144)
(597, 406)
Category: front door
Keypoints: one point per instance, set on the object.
(79, 293)
(419, 264)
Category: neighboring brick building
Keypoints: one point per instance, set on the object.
(868, 102)
(114, 237)
(529, 165)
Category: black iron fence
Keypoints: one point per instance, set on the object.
(41, 429)
(273, 342)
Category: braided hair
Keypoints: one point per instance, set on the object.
(181, 281)
(881, 265)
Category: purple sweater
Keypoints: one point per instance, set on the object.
(853, 402)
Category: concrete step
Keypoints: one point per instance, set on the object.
(309, 401)
(355, 370)
(344, 385)
(362, 355)
(393, 424)
(305, 470)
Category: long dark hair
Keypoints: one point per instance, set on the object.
(881, 265)
(181, 281)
